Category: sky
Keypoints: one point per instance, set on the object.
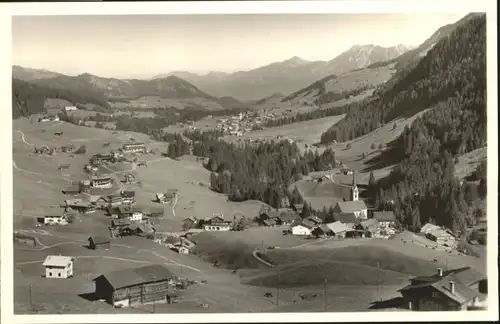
(137, 46)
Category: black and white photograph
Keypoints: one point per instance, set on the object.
(213, 163)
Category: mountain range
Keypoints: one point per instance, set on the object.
(358, 69)
(287, 76)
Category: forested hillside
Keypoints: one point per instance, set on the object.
(451, 80)
(454, 68)
(28, 99)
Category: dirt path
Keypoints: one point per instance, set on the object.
(254, 253)
(24, 139)
(89, 257)
(45, 247)
(38, 174)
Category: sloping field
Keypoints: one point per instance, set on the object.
(314, 272)
(38, 176)
(367, 255)
(351, 265)
(467, 163)
(195, 198)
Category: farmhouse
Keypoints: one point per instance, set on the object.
(270, 222)
(70, 108)
(370, 225)
(427, 228)
(72, 190)
(58, 266)
(287, 218)
(97, 201)
(99, 242)
(128, 196)
(133, 148)
(442, 237)
(385, 218)
(302, 229)
(101, 181)
(322, 230)
(216, 224)
(134, 286)
(153, 212)
(338, 229)
(451, 290)
(131, 212)
(55, 220)
(79, 205)
(189, 223)
(114, 200)
(314, 220)
(120, 223)
(268, 214)
(358, 208)
(162, 198)
(64, 167)
(349, 219)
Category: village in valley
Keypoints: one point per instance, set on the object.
(108, 220)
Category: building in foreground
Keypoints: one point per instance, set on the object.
(133, 148)
(58, 266)
(134, 286)
(101, 181)
(452, 290)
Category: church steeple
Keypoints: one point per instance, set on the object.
(354, 188)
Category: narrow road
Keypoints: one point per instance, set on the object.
(88, 257)
(24, 139)
(38, 174)
(45, 247)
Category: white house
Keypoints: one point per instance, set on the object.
(301, 229)
(58, 266)
(218, 227)
(358, 208)
(55, 220)
(70, 108)
(136, 215)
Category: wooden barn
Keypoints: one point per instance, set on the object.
(134, 286)
(99, 242)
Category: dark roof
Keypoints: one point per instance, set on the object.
(351, 206)
(100, 239)
(462, 277)
(128, 193)
(346, 218)
(71, 189)
(136, 276)
(307, 223)
(384, 216)
(133, 144)
(288, 216)
(314, 219)
(121, 222)
(369, 223)
(271, 213)
(270, 222)
(462, 294)
(115, 195)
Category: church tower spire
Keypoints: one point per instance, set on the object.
(354, 188)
